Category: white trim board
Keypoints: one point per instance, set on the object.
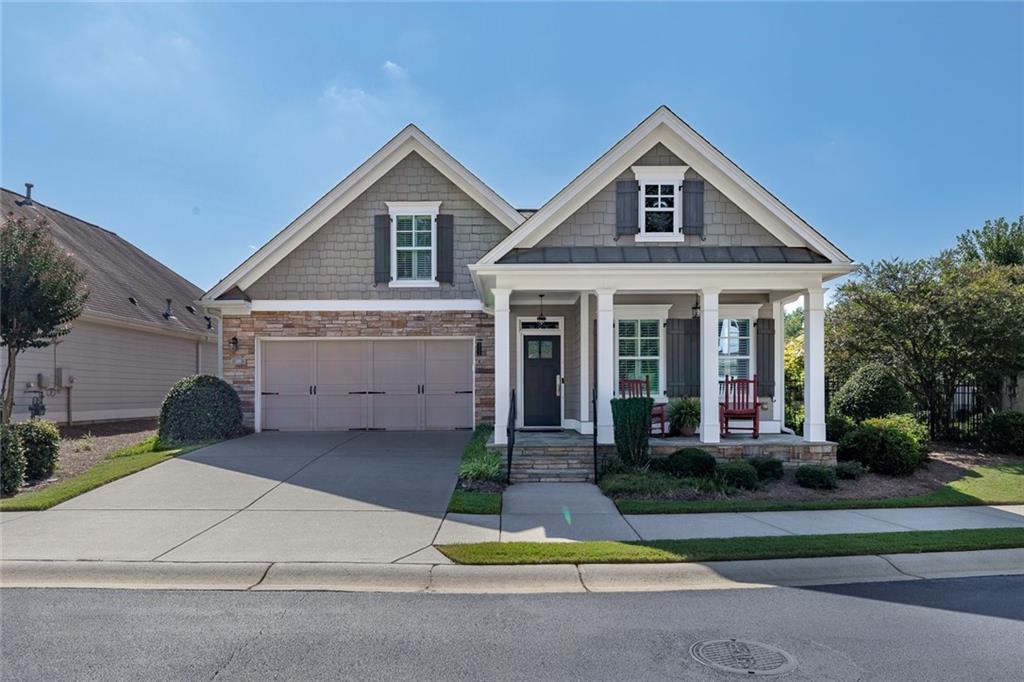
(664, 127)
(410, 139)
(382, 305)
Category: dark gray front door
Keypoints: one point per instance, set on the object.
(542, 366)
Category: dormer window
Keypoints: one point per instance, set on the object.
(661, 203)
(413, 240)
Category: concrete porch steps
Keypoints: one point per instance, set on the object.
(569, 465)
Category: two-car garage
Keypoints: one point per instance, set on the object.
(379, 384)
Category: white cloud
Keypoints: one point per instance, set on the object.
(393, 70)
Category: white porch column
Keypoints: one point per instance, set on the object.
(709, 427)
(814, 365)
(502, 364)
(779, 408)
(605, 365)
(220, 346)
(586, 426)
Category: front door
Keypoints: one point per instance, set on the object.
(542, 389)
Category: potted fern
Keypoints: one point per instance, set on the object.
(684, 416)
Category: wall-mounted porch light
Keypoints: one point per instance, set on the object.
(233, 342)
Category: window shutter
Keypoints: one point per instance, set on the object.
(446, 248)
(381, 249)
(693, 207)
(627, 207)
(682, 340)
(765, 357)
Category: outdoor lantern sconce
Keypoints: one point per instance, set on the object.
(233, 342)
(541, 317)
(695, 310)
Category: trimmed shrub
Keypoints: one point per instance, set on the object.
(632, 419)
(882, 449)
(638, 483)
(908, 424)
(683, 413)
(41, 441)
(767, 468)
(200, 408)
(837, 425)
(1003, 432)
(686, 463)
(738, 475)
(850, 471)
(12, 461)
(816, 476)
(872, 391)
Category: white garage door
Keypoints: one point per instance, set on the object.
(336, 385)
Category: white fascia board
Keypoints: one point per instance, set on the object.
(665, 127)
(380, 305)
(410, 139)
(228, 308)
(96, 317)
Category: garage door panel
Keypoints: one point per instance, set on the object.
(288, 367)
(452, 411)
(396, 412)
(397, 367)
(447, 367)
(341, 412)
(288, 413)
(342, 367)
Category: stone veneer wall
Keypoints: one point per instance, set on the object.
(240, 365)
(593, 224)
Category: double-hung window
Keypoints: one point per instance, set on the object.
(660, 202)
(734, 348)
(640, 344)
(413, 240)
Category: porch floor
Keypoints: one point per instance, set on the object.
(568, 438)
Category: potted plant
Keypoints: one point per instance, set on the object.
(684, 415)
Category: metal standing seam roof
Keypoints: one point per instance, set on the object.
(116, 270)
(663, 254)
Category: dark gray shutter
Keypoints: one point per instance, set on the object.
(446, 248)
(627, 207)
(682, 341)
(693, 207)
(765, 357)
(381, 249)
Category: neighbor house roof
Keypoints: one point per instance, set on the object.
(116, 271)
(663, 254)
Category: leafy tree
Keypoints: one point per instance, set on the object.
(41, 292)
(937, 322)
(996, 242)
(794, 324)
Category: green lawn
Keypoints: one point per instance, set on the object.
(990, 484)
(727, 549)
(117, 464)
(478, 465)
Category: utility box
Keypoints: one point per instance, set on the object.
(44, 381)
(65, 378)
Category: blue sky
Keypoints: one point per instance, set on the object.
(199, 131)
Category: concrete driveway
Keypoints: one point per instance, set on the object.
(347, 496)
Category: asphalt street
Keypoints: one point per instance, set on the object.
(957, 629)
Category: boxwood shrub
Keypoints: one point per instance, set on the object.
(41, 441)
(768, 468)
(816, 476)
(686, 463)
(12, 461)
(850, 471)
(200, 408)
(909, 425)
(882, 449)
(872, 391)
(837, 425)
(1003, 432)
(738, 475)
(632, 419)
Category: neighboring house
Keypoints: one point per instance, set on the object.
(410, 295)
(130, 344)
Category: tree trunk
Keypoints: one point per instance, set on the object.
(9, 373)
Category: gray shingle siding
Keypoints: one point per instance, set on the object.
(337, 261)
(593, 224)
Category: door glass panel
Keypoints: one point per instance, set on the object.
(533, 349)
(546, 350)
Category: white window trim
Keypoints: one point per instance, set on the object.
(521, 335)
(398, 208)
(742, 311)
(661, 175)
(652, 311)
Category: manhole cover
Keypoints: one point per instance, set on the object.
(745, 658)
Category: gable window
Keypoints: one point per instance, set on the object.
(640, 344)
(413, 243)
(661, 202)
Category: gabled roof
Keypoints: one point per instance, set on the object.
(410, 139)
(116, 270)
(665, 127)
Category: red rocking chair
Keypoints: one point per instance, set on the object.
(740, 402)
(641, 388)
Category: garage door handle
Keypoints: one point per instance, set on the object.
(462, 392)
(357, 392)
(269, 393)
(376, 392)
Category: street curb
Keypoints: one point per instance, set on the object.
(458, 579)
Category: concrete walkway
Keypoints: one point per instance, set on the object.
(568, 512)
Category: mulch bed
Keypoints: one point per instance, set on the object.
(80, 451)
(480, 486)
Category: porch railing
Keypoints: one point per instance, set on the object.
(510, 436)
